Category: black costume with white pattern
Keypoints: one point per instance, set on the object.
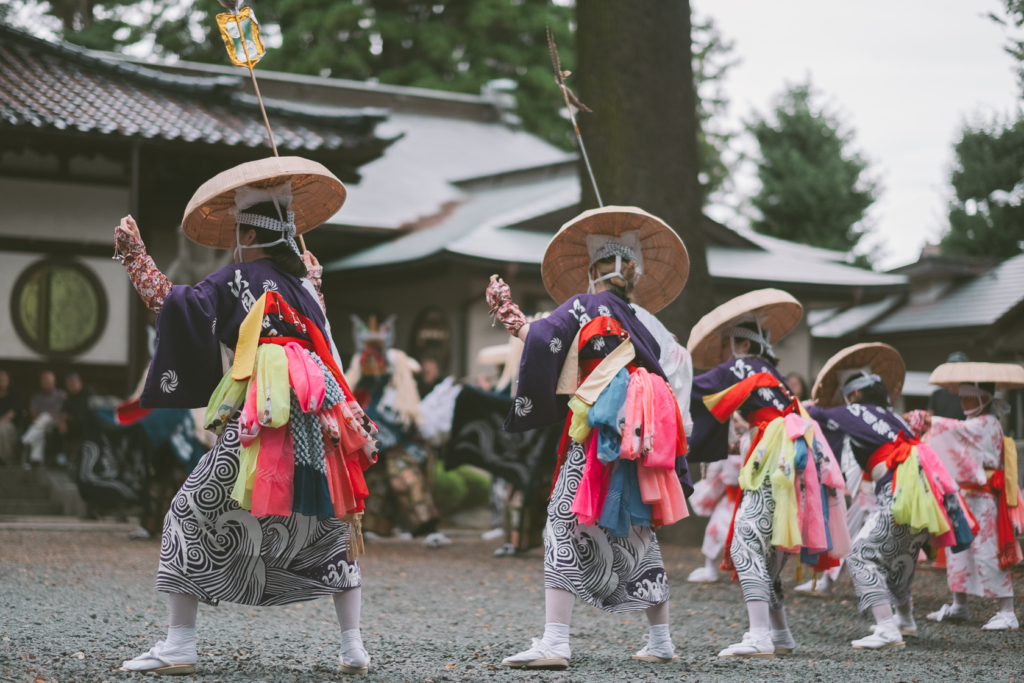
(215, 550)
(615, 574)
(758, 563)
(884, 557)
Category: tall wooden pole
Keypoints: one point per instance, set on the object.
(634, 69)
(259, 97)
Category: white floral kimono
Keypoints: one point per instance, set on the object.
(967, 448)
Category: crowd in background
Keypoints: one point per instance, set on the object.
(46, 430)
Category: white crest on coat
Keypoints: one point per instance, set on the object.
(168, 381)
(555, 345)
(523, 406)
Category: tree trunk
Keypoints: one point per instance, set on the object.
(635, 70)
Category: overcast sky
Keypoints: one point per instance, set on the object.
(904, 74)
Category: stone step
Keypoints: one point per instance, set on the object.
(34, 490)
(30, 507)
(15, 476)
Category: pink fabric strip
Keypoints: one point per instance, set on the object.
(593, 487)
(275, 467)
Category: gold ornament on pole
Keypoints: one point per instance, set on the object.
(241, 34)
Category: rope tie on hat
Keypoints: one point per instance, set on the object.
(287, 228)
(762, 337)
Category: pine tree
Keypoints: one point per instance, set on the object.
(986, 218)
(814, 190)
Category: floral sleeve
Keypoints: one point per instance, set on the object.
(152, 285)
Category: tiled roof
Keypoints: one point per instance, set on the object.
(853, 318)
(980, 302)
(60, 87)
(483, 226)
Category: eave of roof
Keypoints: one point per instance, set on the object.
(980, 302)
(853, 319)
(64, 89)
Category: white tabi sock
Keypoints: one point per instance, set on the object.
(556, 635)
(660, 642)
(352, 651)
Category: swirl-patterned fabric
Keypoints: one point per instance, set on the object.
(215, 550)
(884, 557)
(617, 575)
(758, 563)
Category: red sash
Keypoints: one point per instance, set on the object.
(1009, 552)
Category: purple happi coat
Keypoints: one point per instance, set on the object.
(616, 574)
(210, 547)
(194, 321)
(709, 440)
(869, 428)
(547, 346)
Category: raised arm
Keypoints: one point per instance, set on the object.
(499, 298)
(152, 285)
(315, 274)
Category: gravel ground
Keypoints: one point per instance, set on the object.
(73, 605)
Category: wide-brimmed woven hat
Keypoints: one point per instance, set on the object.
(884, 361)
(1004, 375)
(665, 262)
(776, 311)
(316, 196)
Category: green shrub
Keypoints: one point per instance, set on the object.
(450, 490)
(478, 485)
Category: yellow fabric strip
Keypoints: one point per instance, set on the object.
(913, 501)
(241, 493)
(605, 372)
(569, 377)
(712, 400)
(273, 395)
(1010, 472)
(226, 399)
(248, 340)
(579, 428)
(775, 457)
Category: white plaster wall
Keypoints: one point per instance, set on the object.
(112, 346)
(61, 211)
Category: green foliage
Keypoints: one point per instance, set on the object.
(813, 189)
(478, 486)
(712, 59)
(1015, 48)
(450, 490)
(989, 158)
(459, 45)
(462, 488)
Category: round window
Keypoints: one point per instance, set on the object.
(58, 307)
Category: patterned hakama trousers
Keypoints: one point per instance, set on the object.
(884, 557)
(758, 563)
(615, 574)
(215, 550)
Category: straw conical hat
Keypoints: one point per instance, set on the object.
(884, 361)
(316, 196)
(1004, 375)
(775, 310)
(666, 263)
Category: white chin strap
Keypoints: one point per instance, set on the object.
(999, 406)
(616, 273)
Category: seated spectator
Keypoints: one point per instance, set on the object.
(10, 416)
(74, 414)
(44, 412)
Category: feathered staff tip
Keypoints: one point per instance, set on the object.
(560, 75)
(232, 6)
